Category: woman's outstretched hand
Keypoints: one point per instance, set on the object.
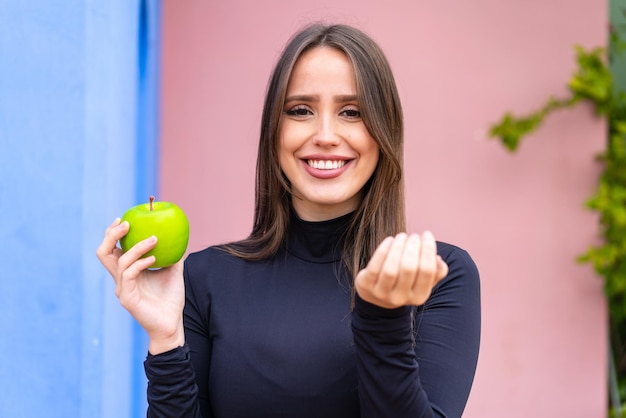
(155, 298)
(402, 271)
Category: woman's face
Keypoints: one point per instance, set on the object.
(325, 149)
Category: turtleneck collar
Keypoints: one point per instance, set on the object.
(318, 242)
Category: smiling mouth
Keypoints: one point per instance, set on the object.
(326, 164)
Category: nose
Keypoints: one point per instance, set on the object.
(326, 134)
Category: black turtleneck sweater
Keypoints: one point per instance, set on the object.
(277, 338)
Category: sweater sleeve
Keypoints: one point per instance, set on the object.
(420, 362)
(178, 379)
(172, 391)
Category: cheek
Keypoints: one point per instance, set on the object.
(372, 150)
(286, 140)
(373, 158)
(374, 162)
(286, 162)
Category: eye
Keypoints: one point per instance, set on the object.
(351, 113)
(299, 111)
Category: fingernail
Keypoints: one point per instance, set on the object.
(152, 239)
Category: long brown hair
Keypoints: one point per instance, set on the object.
(381, 212)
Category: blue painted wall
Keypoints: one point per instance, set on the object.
(77, 124)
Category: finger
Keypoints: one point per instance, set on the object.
(442, 269)
(427, 266)
(368, 276)
(107, 250)
(388, 276)
(115, 223)
(136, 252)
(103, 249)
(428, 255)
(116, 230)
(129, 276)
(409, 263)
(112, 235)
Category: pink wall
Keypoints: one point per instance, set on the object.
(459, 67)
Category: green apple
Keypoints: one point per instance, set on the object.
(167, 222)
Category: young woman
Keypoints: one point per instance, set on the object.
(328, 308)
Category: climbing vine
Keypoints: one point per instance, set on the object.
(592, 82)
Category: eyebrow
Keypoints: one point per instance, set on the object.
(342, 98)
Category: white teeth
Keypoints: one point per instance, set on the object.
(326, 164)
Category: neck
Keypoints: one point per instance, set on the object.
(318, 213)
(318, 241)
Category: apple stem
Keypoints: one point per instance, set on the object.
(151, 200)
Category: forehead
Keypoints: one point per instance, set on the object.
(322, 65)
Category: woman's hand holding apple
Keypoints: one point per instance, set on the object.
(155, 298)
(402, 271)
